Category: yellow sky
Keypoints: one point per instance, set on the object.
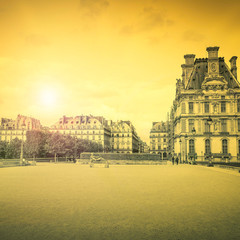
(114, 58)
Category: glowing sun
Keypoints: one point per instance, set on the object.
(48, 97)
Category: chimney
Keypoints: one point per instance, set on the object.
(233, 63)
(189, 59)
(212, 52)
(187, 68)
(213, 61)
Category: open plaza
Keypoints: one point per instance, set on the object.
(74, 201)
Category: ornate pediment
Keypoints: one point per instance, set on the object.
(214, 83)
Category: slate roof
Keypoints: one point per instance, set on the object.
(200, 71)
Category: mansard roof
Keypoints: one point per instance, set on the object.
(200, 71)
(159, 126)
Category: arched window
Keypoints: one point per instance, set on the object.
(191, 146)
(239, 146)
(224, 146)
(207, 146)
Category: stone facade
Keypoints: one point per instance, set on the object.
(92, 128)
(10, 129)
(143, 147)
(124, 137)
(159, 139)
(206, 109)
(117, 137)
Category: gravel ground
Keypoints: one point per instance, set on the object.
(69, 201)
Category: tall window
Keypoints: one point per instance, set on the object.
(239, 125)
(224, 146)
(183, 108)
(224, 125)
(191, 146)
(207, 126)
(238, 105)
(239, 146)
(223, 104)
(207, 146)
(206, 105)
(190, 125)
(190, 107)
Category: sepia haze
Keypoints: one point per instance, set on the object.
(112, 58)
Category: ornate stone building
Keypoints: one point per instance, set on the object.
(206, 109)
(10, 129)
(159, 139)
(92, 128)
(124, 137)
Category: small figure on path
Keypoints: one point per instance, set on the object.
(177, 160)
(173, 160)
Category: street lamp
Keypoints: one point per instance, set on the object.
(21, 154)
(209, 121)
(194, 132)
(180, 142)
(186, 136)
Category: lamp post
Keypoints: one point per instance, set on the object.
(180, 142)
(21, 154)
(186, 136)
(194, 132)
(209, 121)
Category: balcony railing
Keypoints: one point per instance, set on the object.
(224, 133)
(218, 155)
(207, 133)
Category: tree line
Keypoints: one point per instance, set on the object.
(42, 144)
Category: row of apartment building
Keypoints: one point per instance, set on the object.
(159, 139)
(117, 137)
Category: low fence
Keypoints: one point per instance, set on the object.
(9, 162)
(124, 159)
(231, 159)
(51, 159)
(230, 164)
(123, 156)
